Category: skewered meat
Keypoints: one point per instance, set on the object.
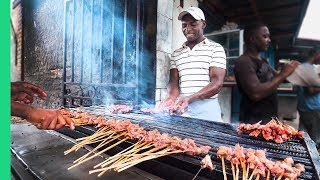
(169, 106)
(261, 166)
(224, 151)
(206, 163)
(120, 108)
(148, 110)
(136, 132)
(277, 132)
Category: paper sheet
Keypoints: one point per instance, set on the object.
(305, 75)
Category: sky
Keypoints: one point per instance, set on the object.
(310, 28)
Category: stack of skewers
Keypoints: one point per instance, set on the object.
(275, 131)
(152, 144)
(149, 144)
(256, 162)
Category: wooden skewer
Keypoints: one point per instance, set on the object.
(117, 158)
(197, 173)
(251, 176)
(87, 140)
(141, 160)
(237, 170)
(120, 163)
(105, 142)
(136, 161)
(233, 172)
(280, 177)
(224, 168)
(141, 147)
(247, 171)
(105, 169)
(132, 163)
(258, 177)
(94, 140)
(166, 150)
(118, 154)
(252, 173)
(243, 165)
(122, 158)
(268, 175)
(150, 151)
(96, 134)
(97, 154)
(98, 170)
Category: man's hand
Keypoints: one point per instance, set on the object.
(165, 104)
(25, 92)
(48, 119)
(289, 68)
(182, 105)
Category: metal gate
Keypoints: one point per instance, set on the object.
(109, 54)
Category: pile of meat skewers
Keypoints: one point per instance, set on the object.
(273, 131)
(81, 118)
(168, 106)
(256, 162)
(149, 144)
(120, 108)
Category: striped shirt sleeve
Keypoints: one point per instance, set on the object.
(219, 57)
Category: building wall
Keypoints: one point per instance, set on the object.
(16, 43)
(43, 48)
(164, 44)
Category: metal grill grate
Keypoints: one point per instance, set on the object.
(216, 134)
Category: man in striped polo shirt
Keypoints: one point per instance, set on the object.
(197, 70)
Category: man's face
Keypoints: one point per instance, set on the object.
(192, 28)
(262, 39)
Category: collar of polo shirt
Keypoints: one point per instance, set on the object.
(205, 41)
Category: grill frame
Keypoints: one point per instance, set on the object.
(302, 151)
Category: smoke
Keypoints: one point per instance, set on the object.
(104, 40)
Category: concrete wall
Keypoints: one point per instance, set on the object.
(164, 42)
(43, 48)
(16, 43)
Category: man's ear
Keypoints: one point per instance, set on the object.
(204, 24)
(252, 39)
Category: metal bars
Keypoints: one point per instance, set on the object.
(101, 51)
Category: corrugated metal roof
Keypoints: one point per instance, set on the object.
(283, 18)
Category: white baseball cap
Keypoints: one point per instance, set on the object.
(195, 12)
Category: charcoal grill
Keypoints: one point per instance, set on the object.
(209, 133)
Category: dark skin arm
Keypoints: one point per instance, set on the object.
(173, 86)
(25, 92)
(216, 82)
(42, 118)
(257, 90)
(173, 90)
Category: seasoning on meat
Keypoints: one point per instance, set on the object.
(273, 131)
